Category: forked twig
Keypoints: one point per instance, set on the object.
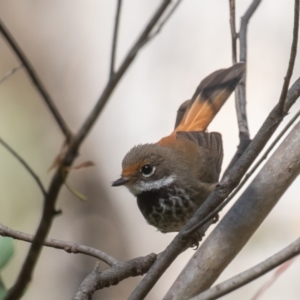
(36, 81)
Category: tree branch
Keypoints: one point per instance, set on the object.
(58, 179)
(58, 244)
(89, 122)
(164, 21)
(98, 280)
(115, 40)
(253, 273)
(25, 165)
(36, 81)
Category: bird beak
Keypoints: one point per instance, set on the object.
(120, 181)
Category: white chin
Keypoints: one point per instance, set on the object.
(146, 186)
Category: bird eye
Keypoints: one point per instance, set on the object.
(147, 170)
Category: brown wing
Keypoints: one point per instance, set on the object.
(212, 150)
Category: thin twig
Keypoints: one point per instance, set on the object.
(58, 180)
(10, 73)
(253, 273)
(98, 280)
(164, 21)
(292, 59)
(115, 39)
(233, 30)
(36, 81)
(220, 193)
(58, 244)
(240, 94)
(25, 165)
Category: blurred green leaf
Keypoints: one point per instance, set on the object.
(6, 250)
(2, 290)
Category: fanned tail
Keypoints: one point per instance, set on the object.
(211, 94)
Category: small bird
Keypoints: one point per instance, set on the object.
(173, 177)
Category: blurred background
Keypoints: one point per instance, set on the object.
(69, 43)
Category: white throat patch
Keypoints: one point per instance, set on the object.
(145, 186)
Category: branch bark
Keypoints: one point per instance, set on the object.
(251, 274)
(58, 244)
(98, 280)
(243, 219)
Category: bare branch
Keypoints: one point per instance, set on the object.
(293, 54)
(253, 273)
(10, 73)
(89, 122)
(163, 22)
(36, 81)
(58, 180)
(122, 270)
(275, 276)
(58, 244)
(25, 165)
(115, 40)
(233, 30)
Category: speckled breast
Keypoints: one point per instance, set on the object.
(168, 208)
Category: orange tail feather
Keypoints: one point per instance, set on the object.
(209, 97)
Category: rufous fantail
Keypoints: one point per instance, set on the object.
(173, 177)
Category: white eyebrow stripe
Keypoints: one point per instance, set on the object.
(144, 186)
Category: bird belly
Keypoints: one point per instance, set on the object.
(168, 208)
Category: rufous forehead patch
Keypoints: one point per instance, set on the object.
(131, 170)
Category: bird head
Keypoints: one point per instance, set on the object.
(145, 168)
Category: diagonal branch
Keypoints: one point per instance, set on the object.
(25, 165)
(36, 81)
(58, 180)
(115, 40)
(98, 280)
(164, 21)
(58, 244)
(89, 122)
(253, 273)
(215, 212)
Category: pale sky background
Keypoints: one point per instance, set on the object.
(69, 44)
